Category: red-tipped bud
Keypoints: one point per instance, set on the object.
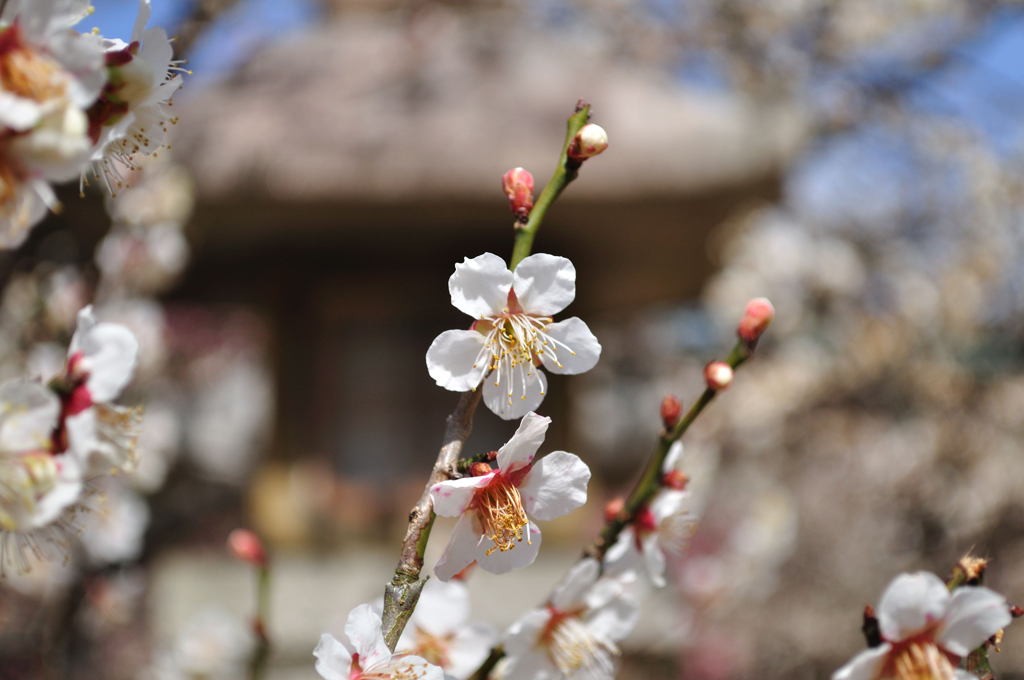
(518, 186)
(756, 317)
(247, 546)
(675, 479)
(671, 409)
(613, 508)
(718, 375)
(480, 469)
(1016, 612)
(589, 141)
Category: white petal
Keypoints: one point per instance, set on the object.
(452, 360)
(865, 665)
(533, 665)
(523, 636)
(575, 351)
(333, 661)
(522, 555)
(469, 648)
(363, 630)
(909, 603)
(616, 619)
(461, 548)
(556, 485)
(528, 387)
(452, 497)
(654, 558)
(443, 608)
(623, 555)
(974, 614)
(674, 456)
(480, 286)
(109, 355)
(569, 593)
(19, 113)
(545, 284)
(520, 450)
(401, 666)
(141, 19)
(28, 414)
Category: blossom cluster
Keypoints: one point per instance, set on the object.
(74, 104)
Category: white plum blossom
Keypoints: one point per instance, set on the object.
(575, 635)
(114, 528)
(134, 113)
(926, 630)
(440, 632)
(365, 655)
(494, 508)
(662, 527)
(101, 360)
(214, 645)
(514, 332)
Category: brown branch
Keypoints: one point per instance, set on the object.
(402, 593)
(204, 13)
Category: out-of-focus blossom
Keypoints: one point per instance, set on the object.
(113, 528)
(514, 333)
(440, 631)
(365, 656)
(494, 508)
(574, 636)
(660, 528)
(926, 631)
(214, 645)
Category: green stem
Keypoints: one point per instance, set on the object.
(565, 172)
(650, 479)
(261, 652)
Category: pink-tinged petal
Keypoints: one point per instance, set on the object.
(865, 665)
(573, 348)
(555, 486)
(454, 360)
(480, 286)
(443, 608)
(523, 636)
(109, 352)
(519, 451)
(363, 630)
(623, 555)
(974, 614)
(909, 603)
(452, 497)
(521, 392)
(545, 284)
(568, 595)
(461, 548)
(522, 555)
(333, 661)
(654, 558)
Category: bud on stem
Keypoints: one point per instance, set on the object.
(671, 410)
(517, 184)
(718, 375)
(756, 318)
(247, 546)
(588, 142)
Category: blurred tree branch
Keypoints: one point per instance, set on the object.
(202, 15)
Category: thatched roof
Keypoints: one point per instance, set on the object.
(372, 105)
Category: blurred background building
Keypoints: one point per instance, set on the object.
(857, 162)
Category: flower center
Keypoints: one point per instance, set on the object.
(921, 661)
(575, 648)
(27, 73)
(500, 509)
(24, 479)
(433, 648)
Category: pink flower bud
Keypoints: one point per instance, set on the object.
(518, 186)
(247, 546)
(756, 317)
(675, 479)
(480, 469)
(589, 141)
(718, 375)
(613, 508)
(671, 409)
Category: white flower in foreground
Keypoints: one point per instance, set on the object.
(365, 655)
(36, 485)
(101, 360)
(662, 527)
(494, 509)
(926, 630)
(514, 332)
(440, 632)
(574, 636)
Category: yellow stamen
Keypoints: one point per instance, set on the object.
(500, 509)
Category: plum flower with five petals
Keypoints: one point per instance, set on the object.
(926, 630)
(514, 333)
(494, 508)
(365, 655)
